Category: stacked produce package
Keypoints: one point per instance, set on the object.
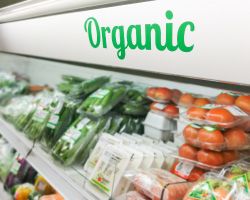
(130, 142)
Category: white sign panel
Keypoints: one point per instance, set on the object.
(202, 39)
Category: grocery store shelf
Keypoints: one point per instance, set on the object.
(66, 181)
(4, 195)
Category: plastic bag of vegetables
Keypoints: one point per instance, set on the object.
(24, 191)
(74, 140)
(104, 99)
(81, 90)
(59, 122)
(212, 186)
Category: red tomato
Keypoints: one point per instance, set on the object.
(171, 110)
(211, 139)
(190, 134)
(230, 156)
(151, 92)
(243, 102)
(225, 99)
(210, 157)
(195, 174)
(199, 102)
(236, 138)
(196, 113)
(220, 115)
(186, 100)
(189, 152)
(163, 94)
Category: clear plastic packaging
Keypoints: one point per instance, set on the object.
(132, 195)
(103, 100)
(167, 110)
(189, 99)
(159, 94)
(213, 187)
(158, 184)
(74, 140)
(212, 138)
(212, 114)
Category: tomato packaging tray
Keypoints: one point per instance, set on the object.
(213, 187)
(158, 184)
(212, 114)
(207, 159)
(212, 138)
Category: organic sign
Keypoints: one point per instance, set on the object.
(132, 36)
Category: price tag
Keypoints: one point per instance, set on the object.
(183, 169)
(236, 111)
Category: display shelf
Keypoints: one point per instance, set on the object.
(66, 181)
(3, 194)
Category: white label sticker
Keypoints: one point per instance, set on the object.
(53, 120)
(160, 106)
(59, 107)
(236, 111)
(82, 123)
(100, 93)
(15, 167)
(211, 106)
(72, 135)
(184, 169)
(40, 115)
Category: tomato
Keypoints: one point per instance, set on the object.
(151, 92)
(171, 110)
(195, 174)
(210, 139)
(186, 100)
(199, 102)
(153, 106)
(190, 134)
(236, 138)
(225, 99)
(176, 95)
(220, 115)
(221, 193)
(163, 94)
(243, 102)
(230, 156)
(196, 113)
(189, 152)
(210, 157)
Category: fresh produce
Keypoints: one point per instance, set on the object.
(74, 140)
(159, 184)
(199, 102)
(132, 195)
(161, 94)
(176, 95)
(103, 100)
(196, 113)
(186, 100)
(220, 115)
(212, 187)
(135, 109)
(190, 134)
(59, 122)
(225, 99)
(230, 156)
(56, 196)
(81, 90)
(209, 157)
(188, 151)
(168, 110)
(73, 79)
(243, 102)
(42, 186)
(24, 191)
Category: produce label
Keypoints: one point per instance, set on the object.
(82, 123)
(183, 169)
(160, 106)
(53, 121)
(100, 93)
(59, 107)
(211, 106)
(203, 191)
(72, 135)
(236, 111)
(242, 181)
(40, 115)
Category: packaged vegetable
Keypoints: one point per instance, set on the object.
(59, 122)
(72, 78)
(103, 100)
(158, 184)
(81, 90)
(212, 138)
(188, 99)
(212, 114)
(159, 94)
(207, 159)
(212, 186)
(56, 196)
(24, 191)
(74, 140)
(240, 173)
(168, 110)
(42, 186)
(132, 195)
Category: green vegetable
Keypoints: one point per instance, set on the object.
(74, 140)
(135, 109)
(72, 79)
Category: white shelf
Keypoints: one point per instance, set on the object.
(3, 194)
(67, 182)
